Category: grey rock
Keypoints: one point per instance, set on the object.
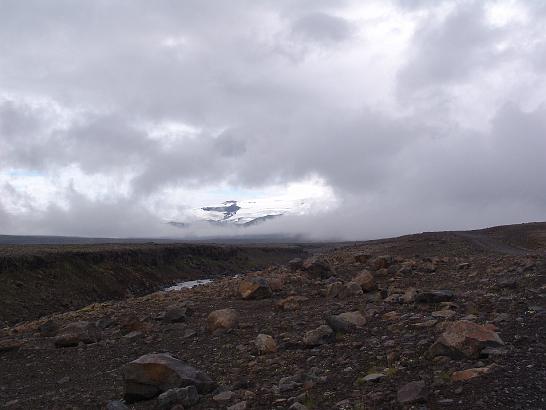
(434, 296)
(413, 392)
(153, 374)
(319, 336)
(186, 396)
(116, 405)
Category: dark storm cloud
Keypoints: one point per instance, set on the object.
(270, 93)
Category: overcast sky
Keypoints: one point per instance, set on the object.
(402, 116)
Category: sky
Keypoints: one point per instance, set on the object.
(390, 117)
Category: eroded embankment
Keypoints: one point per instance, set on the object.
(39, 280)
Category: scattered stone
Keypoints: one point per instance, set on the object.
(319, 336)
(409, 295)
(350, 289)
(365, 280)
(185, 396)
(238, 406)
(393, 315)
(254, 287)
(317, 268)
(508, 283)
(78, 332)
(152, 374)
(374, 377)
(494, 351)
(265, 344)
(334, 289)
(63, 380)
(291, 302)
(426, 323)
(223, 396)
(434, 296)
(470, 373)
(297, 406)
(222, 320)
(463, 338)
(413, 392)
(346, 321)
(444, 314)
(394, 298)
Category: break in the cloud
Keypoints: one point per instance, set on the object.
(405, 115)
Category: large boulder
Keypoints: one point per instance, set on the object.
(152, 374)
(365, 280)
(222, 320)
(317, 268)
(78, 332)
(346, 322)
(254, 287)
(463, 338)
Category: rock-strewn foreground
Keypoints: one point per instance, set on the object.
(438, 321)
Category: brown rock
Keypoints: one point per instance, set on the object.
(350, 289)
(317, 268)
(381, 262)
(365, 280)
(276, 283)
(393, 315)
(265, 344)
(470, 373)
(334, 289)
(254, 287)
(319, 336)
(222, 320)
(463, 338)
(346, 321)
(291, 302)
(409, 295)
(152, 374)
(362, 257)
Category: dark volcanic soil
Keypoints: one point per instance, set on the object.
(496, 279)
(36, 280)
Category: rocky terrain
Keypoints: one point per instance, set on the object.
(452, 320)
(41, 279)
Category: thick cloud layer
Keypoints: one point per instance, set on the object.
(116, 116)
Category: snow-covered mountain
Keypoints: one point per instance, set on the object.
(295, 199)
(246, 213)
